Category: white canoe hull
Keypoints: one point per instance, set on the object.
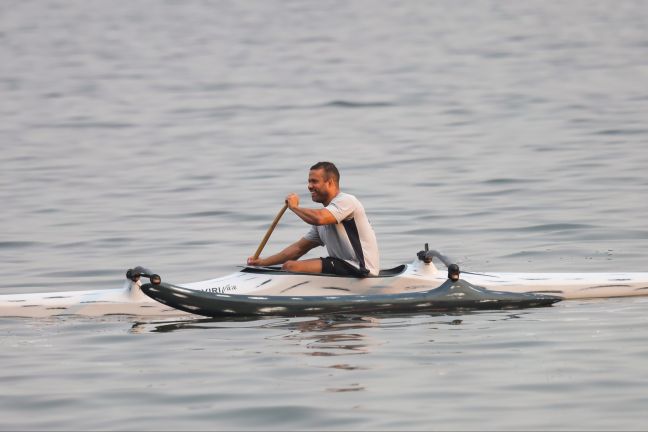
(128, 300)
(418, 276)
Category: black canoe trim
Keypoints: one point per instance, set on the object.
(460, 295)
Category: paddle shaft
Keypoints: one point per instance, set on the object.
(272, 227)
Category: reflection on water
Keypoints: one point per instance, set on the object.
(352, 388)
(317, 325)
(188, 323)
(327, 336)
(335, 336)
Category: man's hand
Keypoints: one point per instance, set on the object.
(251, 261)
(292, 201)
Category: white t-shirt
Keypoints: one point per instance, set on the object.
(352, 238)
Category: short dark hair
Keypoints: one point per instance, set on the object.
(330, 170)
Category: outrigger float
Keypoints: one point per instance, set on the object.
(264, 291)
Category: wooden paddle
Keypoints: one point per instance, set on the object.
(272, 227)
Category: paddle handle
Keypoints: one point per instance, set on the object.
(272, 227)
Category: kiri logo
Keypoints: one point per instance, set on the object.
(222, 289)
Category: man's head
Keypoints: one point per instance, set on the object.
(323, 182)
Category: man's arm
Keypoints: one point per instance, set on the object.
(292, 252)
(310, 216)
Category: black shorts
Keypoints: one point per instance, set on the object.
(340, 267)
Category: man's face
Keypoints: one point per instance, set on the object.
(318, 186)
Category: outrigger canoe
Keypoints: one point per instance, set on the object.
(253, 291)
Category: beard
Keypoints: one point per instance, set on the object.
(316, 197)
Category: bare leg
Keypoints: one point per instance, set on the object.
(304, 266)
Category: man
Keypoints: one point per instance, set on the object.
(342, 226)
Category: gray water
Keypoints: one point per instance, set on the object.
(511, 136)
